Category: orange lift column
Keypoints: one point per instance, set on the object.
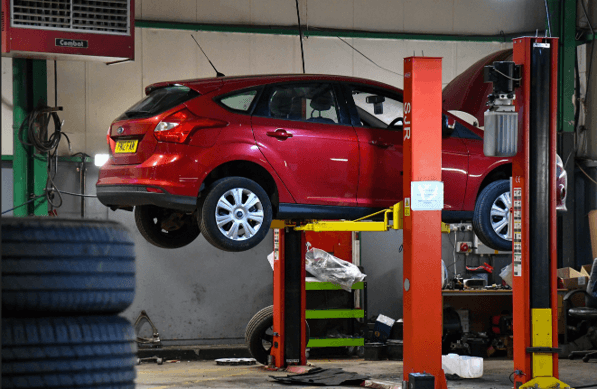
(423, 202)
(534, 295)
(289, 340)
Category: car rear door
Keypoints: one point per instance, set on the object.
(305, 135)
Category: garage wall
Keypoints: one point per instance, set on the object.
(422, 16)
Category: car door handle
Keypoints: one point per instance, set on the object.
(382, 145)
(279, 134)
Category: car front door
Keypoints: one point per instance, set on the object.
(306, 137)
(380, 144)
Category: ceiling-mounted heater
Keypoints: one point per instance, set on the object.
(100, 30)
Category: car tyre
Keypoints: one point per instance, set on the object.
(166, 228)
(259, 334)
(68, 352)
(66, 266)
(492, 215)
(236, 214)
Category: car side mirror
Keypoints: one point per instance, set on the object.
(448, 126)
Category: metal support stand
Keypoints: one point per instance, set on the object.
(289, 340)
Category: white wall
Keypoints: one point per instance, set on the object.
(420, 16)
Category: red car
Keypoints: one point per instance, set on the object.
(224, 156)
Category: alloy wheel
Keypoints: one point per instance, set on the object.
(239, 214)
(500, 215)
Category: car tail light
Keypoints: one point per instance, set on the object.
(178, 126)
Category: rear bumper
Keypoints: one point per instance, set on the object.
(120, 196)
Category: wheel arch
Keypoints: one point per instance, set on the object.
(246, 169)
(502, 172)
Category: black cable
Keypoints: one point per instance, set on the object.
(298, 15)
(25, 203)
(585, 386)
(369, 59)
(76, 194)
(548, 18)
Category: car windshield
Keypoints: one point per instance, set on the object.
(158, 101)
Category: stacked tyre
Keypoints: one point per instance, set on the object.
(63, 284)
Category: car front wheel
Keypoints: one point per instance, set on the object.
(491, 217)
(236, 214)
(166, 228)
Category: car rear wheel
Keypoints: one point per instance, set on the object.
(166, 228)
(492, 216)
(236, 214)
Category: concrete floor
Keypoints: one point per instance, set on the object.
(207, 374)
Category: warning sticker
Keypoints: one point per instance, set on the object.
(407, 206)
(427, 195)
(517, 216)
(276, 245)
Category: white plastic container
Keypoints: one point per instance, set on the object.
(506, 274)
(462, 365)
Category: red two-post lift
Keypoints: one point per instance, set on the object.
(527, 120)
(419, 215)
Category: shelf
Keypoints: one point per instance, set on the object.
(477, 292)
(336, 342)
(310, 285)
(334, 314)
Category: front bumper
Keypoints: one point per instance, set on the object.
(122, 196)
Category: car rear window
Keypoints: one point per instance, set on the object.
(158, 101)
(239, 101)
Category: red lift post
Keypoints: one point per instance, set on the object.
(423, 202)
(534, 257)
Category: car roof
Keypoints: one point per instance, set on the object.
(205, 85)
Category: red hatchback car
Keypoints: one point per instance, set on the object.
(224, 156)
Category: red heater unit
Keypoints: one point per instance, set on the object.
(69, 29)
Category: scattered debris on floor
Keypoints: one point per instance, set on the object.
(155, 359)
(323, 377)
(236, 361)
(378, 384)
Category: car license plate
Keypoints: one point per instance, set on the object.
(126, 146)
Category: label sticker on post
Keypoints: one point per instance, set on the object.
(427, 195)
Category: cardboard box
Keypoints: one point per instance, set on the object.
(585, 270)
(572, 279)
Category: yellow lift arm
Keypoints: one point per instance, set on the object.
(392, 220)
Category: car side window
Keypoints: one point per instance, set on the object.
(377, 109)
(311, 102)
(239, 101)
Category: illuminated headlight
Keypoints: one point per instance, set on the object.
(165, 126)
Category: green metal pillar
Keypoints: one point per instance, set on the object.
(563, 23)
(29, 168)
